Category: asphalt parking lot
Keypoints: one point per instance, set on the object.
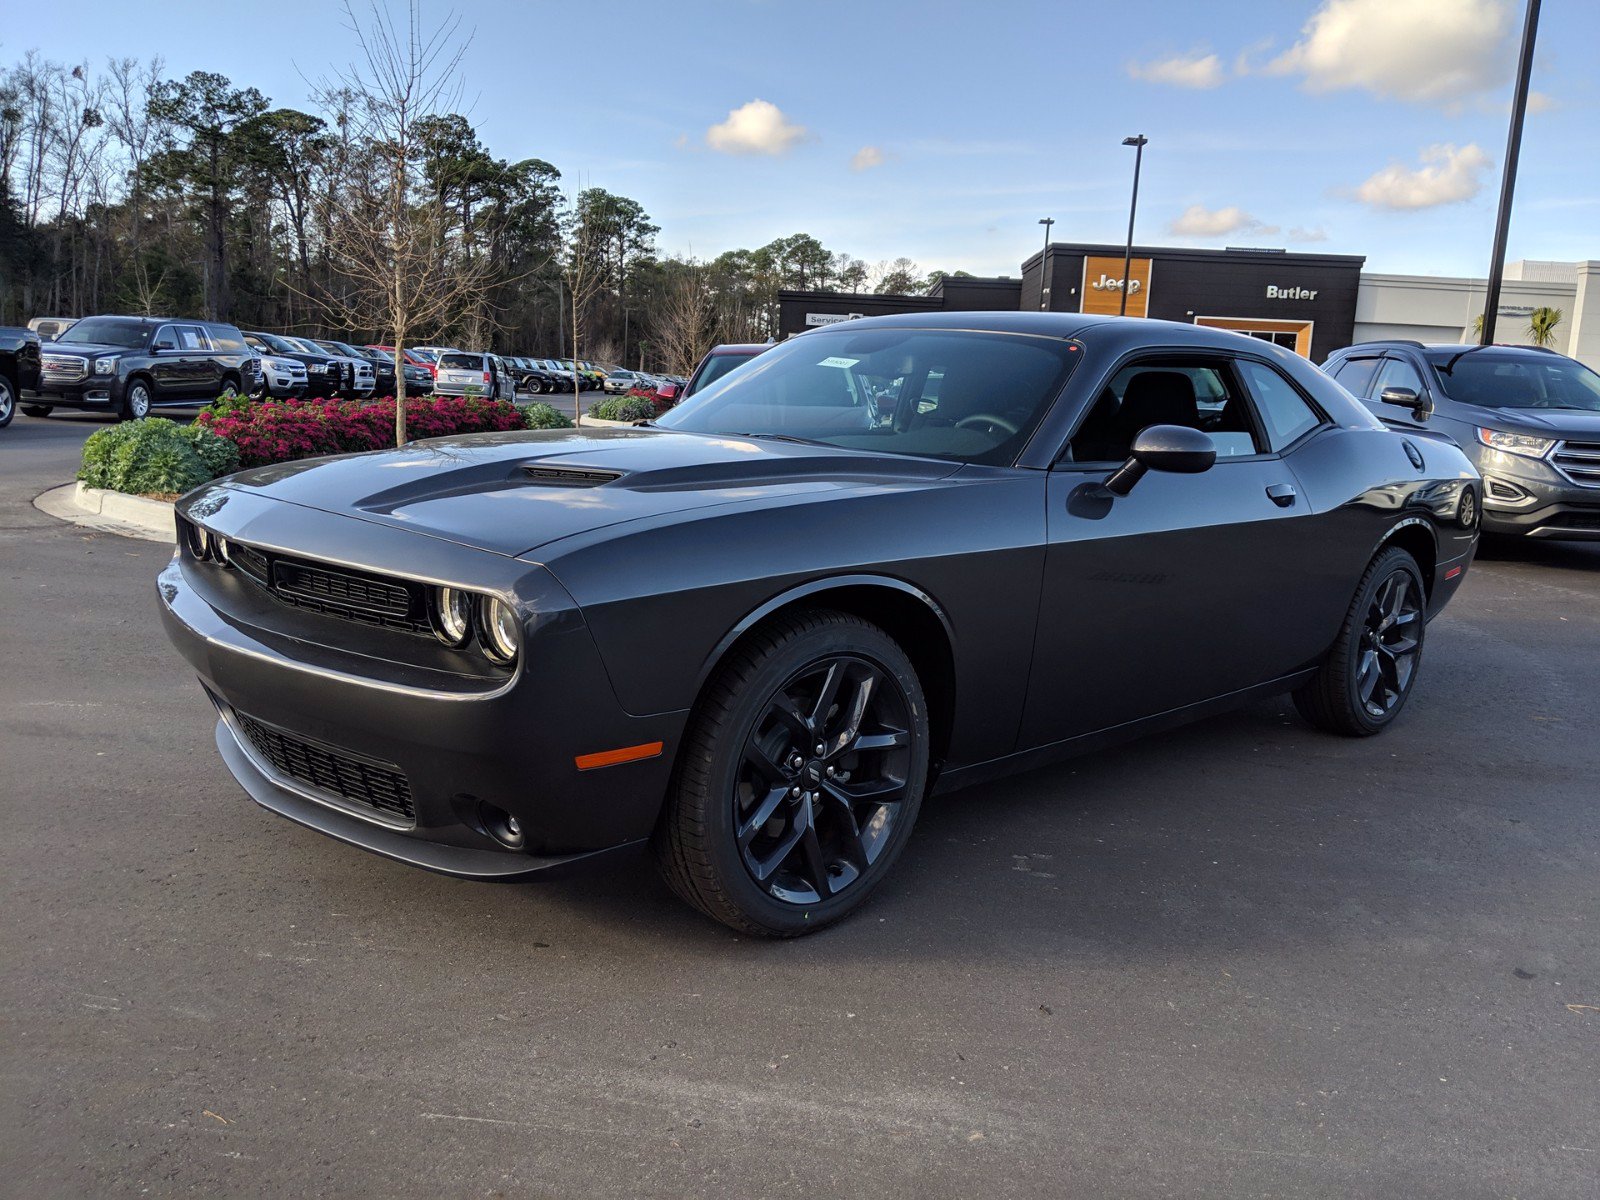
(1240, 959)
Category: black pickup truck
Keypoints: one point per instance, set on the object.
(19, 368)
(129, 365)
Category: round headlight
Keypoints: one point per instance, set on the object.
(201, 544)
(223, 549)
(499, 629)
(452, 616)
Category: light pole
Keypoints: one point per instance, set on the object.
(1044, 257)
(1508, 179)
(1138, 142)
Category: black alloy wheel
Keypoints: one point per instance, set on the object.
(1391, 639)
(823, 780)
(1364, 683)
(800, 776)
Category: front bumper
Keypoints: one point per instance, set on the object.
(95, 393)
(462, 737)
(1528, 497)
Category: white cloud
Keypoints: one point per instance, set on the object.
(867, 157)
(1447, 176)
(758, 127)
(1301, 234)
(1181, 70)
(1431, 51)
(1200, 221)
(1540, 102)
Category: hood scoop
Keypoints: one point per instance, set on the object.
(553, 476)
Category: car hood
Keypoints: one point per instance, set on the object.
(87, 349)
(511, 493)
(1543, 422)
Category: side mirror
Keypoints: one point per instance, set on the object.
(1403, 397)
(667, 391)
(1174, 448)
(163, 346)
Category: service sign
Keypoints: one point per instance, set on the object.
(813, 319)
(1102, 286)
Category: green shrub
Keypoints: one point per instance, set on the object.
(624, 408)
(155, 455)
(223, 405)
(543, 416)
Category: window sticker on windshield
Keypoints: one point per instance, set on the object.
(838, 362)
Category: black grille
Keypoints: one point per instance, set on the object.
(372, 785)
(352, 595)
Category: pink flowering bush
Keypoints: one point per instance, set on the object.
(274, 431)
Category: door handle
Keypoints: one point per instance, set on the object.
(1282, 494)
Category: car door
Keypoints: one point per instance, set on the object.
(1182, 590)
(201, 364)
(169, 366)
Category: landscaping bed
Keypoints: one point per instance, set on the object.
(162, 459)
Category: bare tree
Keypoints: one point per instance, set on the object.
(684, 319)
(584, 270)
(394, 249)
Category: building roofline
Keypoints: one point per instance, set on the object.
(1242, 254)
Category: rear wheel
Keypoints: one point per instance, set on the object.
(8, 402)
(800, 777)
(1367, 678)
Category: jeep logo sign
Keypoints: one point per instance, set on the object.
(1103, 282)
(1274, 292)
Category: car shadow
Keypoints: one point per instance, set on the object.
(1243, 830)
(1572, 556)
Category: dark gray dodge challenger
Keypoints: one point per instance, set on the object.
(889, 557)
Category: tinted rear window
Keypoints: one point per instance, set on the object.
(461, 362)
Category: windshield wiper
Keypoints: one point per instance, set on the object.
(780, 437)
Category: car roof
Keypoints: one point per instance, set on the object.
(1446, 347)
(1115, 334)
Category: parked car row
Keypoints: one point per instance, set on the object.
(131, 365)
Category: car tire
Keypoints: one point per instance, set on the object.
(8, 402)
(1364, 682)
(136, 400)
(799, 778)
(37, 410)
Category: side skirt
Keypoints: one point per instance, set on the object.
(1043, 756)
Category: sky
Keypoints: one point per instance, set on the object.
(944, 131)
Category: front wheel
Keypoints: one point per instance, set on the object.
(1372, 668)
(136, 402)
(8, 402)
(800, 777)
(37, 410)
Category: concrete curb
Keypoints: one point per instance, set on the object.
(110, 512)
(589, 422)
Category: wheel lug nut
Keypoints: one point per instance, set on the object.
(821, 749)
(831, 772)
(794, 791)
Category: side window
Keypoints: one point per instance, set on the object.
(1202, 396)
(1283, 410)
(1397, 373)
(191, 337)
(1356, 373)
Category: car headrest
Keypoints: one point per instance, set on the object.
(1158, 398)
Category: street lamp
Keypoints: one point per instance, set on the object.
(1044, 292)
(1138, 142)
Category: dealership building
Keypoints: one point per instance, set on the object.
(1312, 304)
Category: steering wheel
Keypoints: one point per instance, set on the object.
(989, 420)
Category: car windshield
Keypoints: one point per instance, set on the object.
(936, 393)
(1493, 380)
(272, 342)
(461, 362)
(304, 347)
(107, 331)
